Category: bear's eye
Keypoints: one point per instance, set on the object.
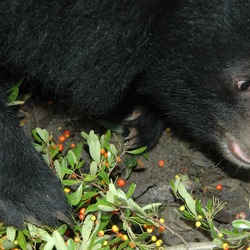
(243, 85)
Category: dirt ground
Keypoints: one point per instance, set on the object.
(153, 181)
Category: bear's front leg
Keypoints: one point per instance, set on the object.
(30, 192)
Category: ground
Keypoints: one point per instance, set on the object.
(152, 181)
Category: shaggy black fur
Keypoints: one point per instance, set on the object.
(179, 61)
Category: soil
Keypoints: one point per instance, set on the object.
(152, 181)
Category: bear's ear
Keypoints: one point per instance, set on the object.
(30, 192)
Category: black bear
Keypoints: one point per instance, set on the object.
(150, 61)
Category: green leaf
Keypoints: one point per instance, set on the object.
(13, 95)
(241, 224)
(7, 244)
(105, 219)
(75, 198)
(152, 206)
(123, 245)
(93, 168)
(14, 91)
(53, 151)
(21, 240)
(87, 228)
(50, 244)
(115, 240)
(59, 241)
(104, 175)
(92, 208)
(85, 135)
(89, 178)
(113, 149)
(78, 151)
(70, 182)
(142, 237)
(43, 133)
(71, 158)
(94, 146)
(11, 233)
(135, 206)
(58, 169)
(38, 148)
(89, 195)
(106, 208)
(62, 229)
(111, 193)
(39, 232)
(71, 245)
(209, 205)
(188, 199)
(131, 190)
(108, 136)
(136, 151)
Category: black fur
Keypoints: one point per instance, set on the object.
(176, 61)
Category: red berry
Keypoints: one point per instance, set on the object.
(62, 138)
(102, 151)
(161, 163)
(60, 146)
(82, 210)
(121, 182)
(81, 216)
(241, 215)
(219, 187)
(66, 133)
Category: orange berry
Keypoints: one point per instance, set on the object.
(121, 182)
(73, 176)
(50, 102)
(101, 233)
(72, 145)
(66, 133)
(62, 138)
(161, 163)
(219, 187)
(161, 229)
(107, 164)
(106, 154)
(119, 159)
(132, 244)
(119, 235)
(82, 210)
(81, 216)
(102, 151)
(60, 147)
